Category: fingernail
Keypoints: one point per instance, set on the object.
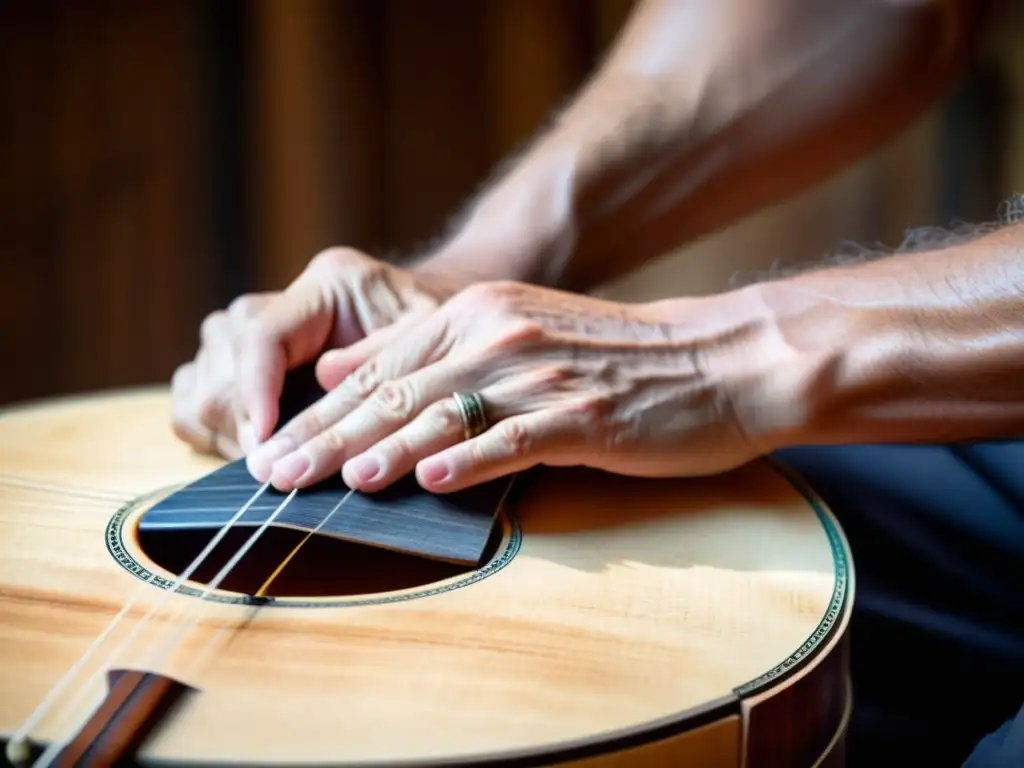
(433, 472)
(364, 468)
(290, 469)
(261, 461)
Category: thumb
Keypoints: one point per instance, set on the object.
(289, 332)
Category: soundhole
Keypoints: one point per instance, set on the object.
(324, 566)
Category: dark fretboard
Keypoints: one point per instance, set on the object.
(404, 517)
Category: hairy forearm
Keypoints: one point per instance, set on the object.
(909, 348)
(703, 113)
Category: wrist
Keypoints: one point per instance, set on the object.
(755, 378)
(913, 348)
(787, 365)
(813, 350)
(863, 365)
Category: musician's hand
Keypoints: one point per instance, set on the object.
(203, 389)
(660, 389)
(226, 400)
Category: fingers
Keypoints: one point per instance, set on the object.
(237, 379)
(311, 312)
(214, 368)
(379, 443)
(336, 364)
(436, 428)
(261, 380)
(185, 417)
(289, 332)
(203, 390)
(512, 445)
(321, 440)
(434, 446)
(400, 447)
(189, 418)
(373, 400)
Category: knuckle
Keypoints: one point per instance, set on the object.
(476, 293)
(257, 328)
(244, 307)
(591, 409)
(255, 333)
(337, 259)
(496, 295)
(445, 419)
(397, 449)
(515, 438)
(180, 378)
(310, 424)
(395, 399)
(329, 443)
(364, 380)
(367, 275)
(210, 410)
(181, 428)
(212, 324)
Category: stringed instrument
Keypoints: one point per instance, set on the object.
(162, 608)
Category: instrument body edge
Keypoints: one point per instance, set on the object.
(619, 621)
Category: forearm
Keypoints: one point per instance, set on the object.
(910, 348)
(703, 113)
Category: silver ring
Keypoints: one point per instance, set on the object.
(471, 411)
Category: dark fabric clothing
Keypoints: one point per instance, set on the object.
(1003, 748)
(937, 534)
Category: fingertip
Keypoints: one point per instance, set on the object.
(256, 469)
(350, 477)
(434, 475)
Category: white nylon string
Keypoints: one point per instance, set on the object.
(18, 737)
(66, 490)
(215, 582)
(55, 747)
(208, 645)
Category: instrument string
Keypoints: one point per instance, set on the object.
(189, 622)
(36, 504)
(20, 735)
(262, 591)
(18, 738)
(97, 494)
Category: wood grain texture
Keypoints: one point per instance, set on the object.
(614, 618)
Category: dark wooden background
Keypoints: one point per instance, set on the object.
(160, 157)
(157, 158)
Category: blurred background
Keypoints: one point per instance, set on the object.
(160, 157)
